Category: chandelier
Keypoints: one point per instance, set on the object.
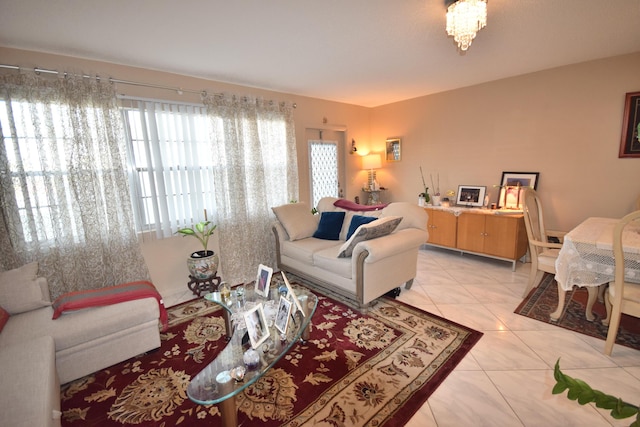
(464, 19)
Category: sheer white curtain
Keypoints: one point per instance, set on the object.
(255, 151)
(172, 171)
(64, 194)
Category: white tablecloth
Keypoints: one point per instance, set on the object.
(586, 256)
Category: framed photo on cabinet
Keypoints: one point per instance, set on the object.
(511, 186)
(471, 195)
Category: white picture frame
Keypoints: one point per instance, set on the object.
(471, 195)
(292, 294)
(257, 326)
(263, 280)
(282, 315)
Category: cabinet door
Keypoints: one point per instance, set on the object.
(443, 229)
(501, 233)
(471, 232)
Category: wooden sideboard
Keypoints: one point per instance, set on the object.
(491, 233)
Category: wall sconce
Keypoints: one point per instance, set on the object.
(353, 146)
(371, 162)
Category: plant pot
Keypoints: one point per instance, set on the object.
(203, 266)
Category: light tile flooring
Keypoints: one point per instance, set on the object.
(507, 377)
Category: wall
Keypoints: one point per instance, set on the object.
(564, 123)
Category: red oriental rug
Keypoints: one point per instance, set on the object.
(543, 300)
(376, 368)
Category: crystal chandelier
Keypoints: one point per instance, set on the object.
(464, 19)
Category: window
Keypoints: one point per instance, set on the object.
(172, 164)
(34, 142)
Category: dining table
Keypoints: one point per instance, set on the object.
(586, 259)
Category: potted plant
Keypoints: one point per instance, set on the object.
(202, 264)
(423, 198)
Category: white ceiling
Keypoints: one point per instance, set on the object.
(363, 52)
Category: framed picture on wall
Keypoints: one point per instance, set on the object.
(511, 186)
(471, 195)
(393, 151)
(630, 142)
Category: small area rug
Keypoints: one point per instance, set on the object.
(543, 300)
(356, 369)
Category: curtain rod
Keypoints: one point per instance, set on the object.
(178, 90)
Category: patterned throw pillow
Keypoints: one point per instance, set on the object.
(378, 228)
(357, 221)
(329, 226)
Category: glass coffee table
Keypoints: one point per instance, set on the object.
(222, 379)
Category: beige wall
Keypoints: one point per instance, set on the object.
(564, 123)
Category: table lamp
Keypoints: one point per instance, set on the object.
(371, 162)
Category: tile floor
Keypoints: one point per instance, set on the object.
(506, 379)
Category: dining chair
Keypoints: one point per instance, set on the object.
(623, 296)
(542, 252)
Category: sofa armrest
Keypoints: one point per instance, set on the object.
(279, 232)
(392, 244)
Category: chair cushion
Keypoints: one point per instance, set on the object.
(378, 228)
(20, 290)
(297, 220)
(548, 258)
(329, 226)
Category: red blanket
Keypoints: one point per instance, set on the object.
(110, 295)
(352, 206)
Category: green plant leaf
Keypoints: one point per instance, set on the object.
(583, 393)
(187, 231)
(559, 388)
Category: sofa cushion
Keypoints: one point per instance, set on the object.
(327, 259)
(20, 290)
(357, 221)
(329, 226)
(302, 250)
(378, 228)
(297, 220)
(30, 391)
(4, 317)
(81, 326)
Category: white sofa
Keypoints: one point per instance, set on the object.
(38, 353)
(376, 266)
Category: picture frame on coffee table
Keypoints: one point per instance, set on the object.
(263, 280)
(282, 315)
(257, 327)
(292, 295)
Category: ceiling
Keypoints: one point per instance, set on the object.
(363, 52)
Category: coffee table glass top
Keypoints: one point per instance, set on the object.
(228, 374)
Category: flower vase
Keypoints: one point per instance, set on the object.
(435, 200)
(420, 201)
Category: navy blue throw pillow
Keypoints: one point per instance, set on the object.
(330, 226)
(357, 221)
